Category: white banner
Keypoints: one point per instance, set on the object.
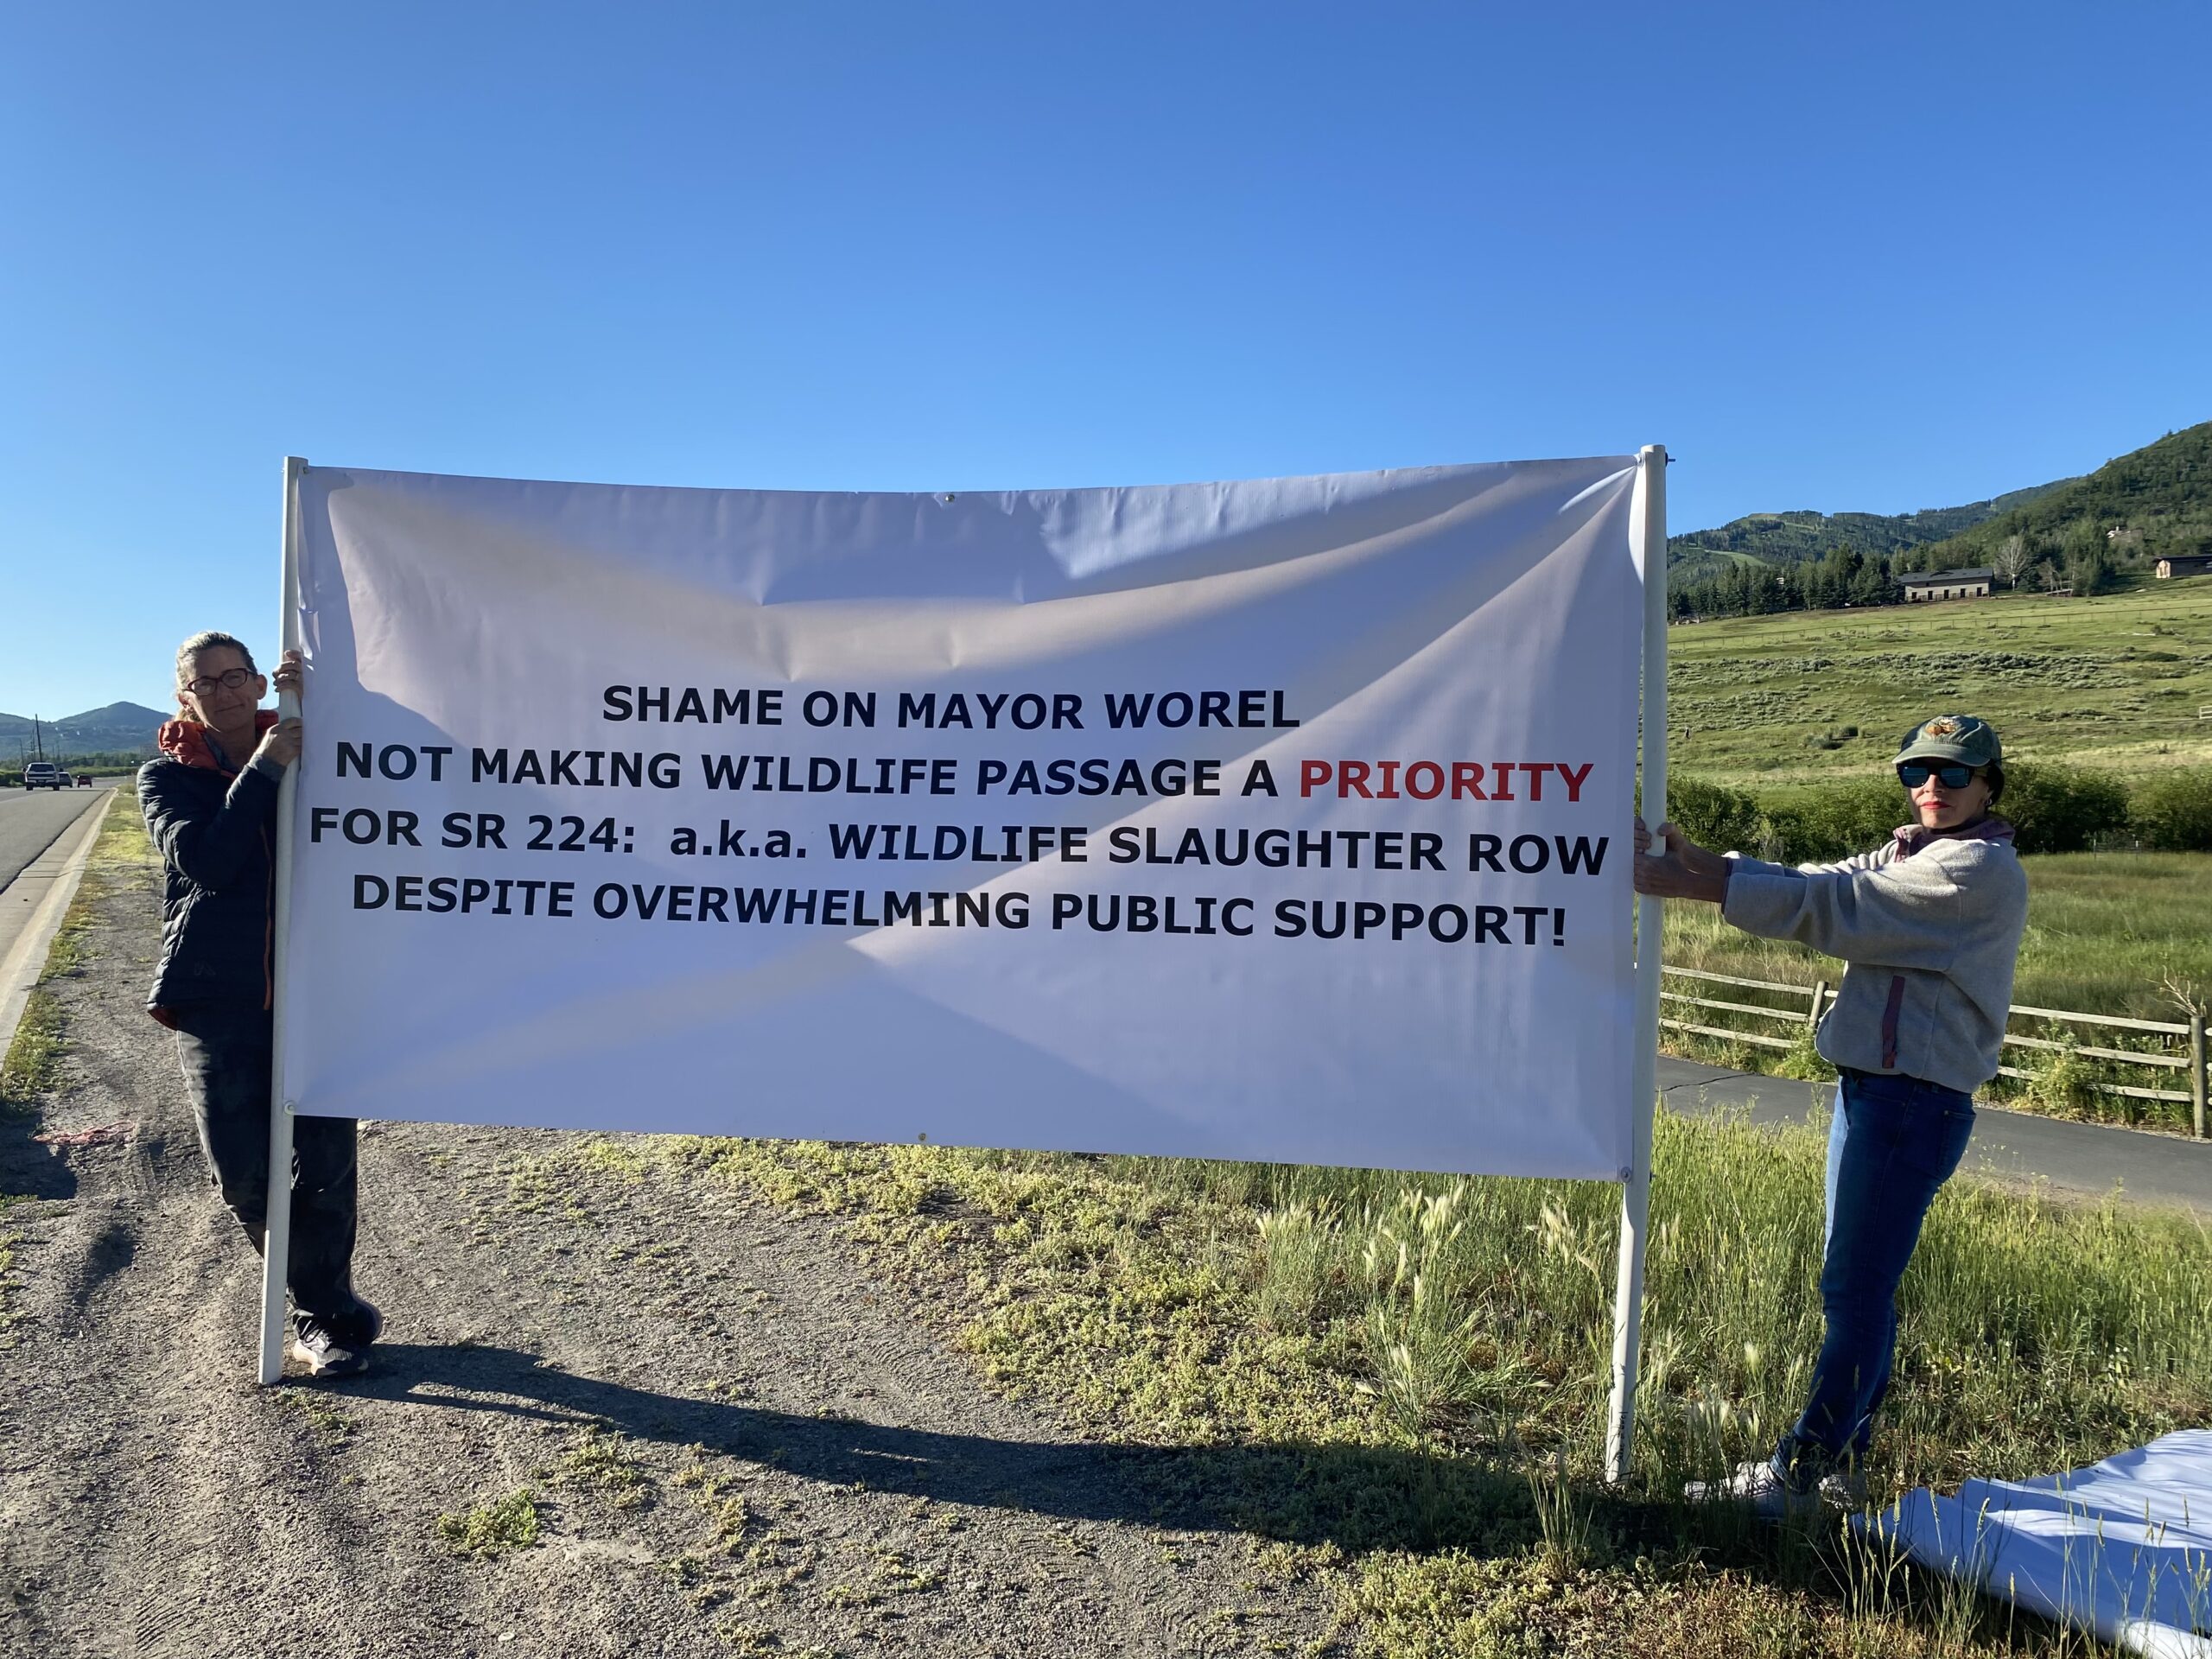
(1284, 819)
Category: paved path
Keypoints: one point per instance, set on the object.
(30, 819)
(34, 894)
(2079, 1158)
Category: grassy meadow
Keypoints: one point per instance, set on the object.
(2113, 682)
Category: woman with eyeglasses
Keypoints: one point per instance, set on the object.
(210, 801)
(1928, 926)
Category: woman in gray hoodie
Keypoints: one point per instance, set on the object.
(1929, 925)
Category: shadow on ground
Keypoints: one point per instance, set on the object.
(28, 1169)
(1358, 1497)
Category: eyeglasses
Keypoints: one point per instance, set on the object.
(1913, 773)
(230, 680)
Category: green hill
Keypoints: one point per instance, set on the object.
(2154, 501)
(1794, 537)
(120, 725)
(2086, 533)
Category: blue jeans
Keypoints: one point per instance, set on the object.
(1894, 1142)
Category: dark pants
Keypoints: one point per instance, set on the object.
(1895, 1140)
(226, 1058)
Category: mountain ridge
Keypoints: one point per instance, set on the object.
(2152, 501)
(2137, 507)
(1793, 537)
(111, 730)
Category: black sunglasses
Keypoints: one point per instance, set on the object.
(1913, 773)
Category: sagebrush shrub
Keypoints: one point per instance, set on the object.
(2173, 813)
(2060, 809)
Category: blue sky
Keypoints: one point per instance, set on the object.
(1869, 256)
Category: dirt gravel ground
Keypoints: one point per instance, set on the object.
(734, 1436)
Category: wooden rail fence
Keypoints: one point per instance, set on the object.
(2189, 1036)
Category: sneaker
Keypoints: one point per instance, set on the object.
(1760, 1486)
(325, 1352)
(362, 1326)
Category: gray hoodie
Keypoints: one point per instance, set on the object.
(1930, 926)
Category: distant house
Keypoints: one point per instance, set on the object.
(1947, 584)
(2184, 564)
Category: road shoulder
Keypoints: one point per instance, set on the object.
(31, 906)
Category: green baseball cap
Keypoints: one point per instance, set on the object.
(1953, 737)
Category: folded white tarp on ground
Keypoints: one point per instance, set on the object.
(2122, 1548)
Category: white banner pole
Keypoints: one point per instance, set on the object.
(277, 1238)
(1651, 530)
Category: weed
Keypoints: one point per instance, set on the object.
(2062, 1079)
(331, 1427)
(598, 1462)
(612, 1158)
(1417, 1347)
(731, 1520)
(1564, 1521)
(1301, 1269)
(749, 1638)
(894, 1572)
(545, 1186)
(1803, 1060)
(494, 1528)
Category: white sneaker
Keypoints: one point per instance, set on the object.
(1762, 1488)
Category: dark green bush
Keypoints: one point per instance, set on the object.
(1834, 820)
(1712, 814)
(2173, 813)
(2060, 809)
(2053, 810)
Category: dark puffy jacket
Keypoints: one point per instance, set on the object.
(216, 835)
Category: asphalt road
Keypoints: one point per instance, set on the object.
(31, 818)
(2081, 1158)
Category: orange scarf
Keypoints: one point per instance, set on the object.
(187, 741)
